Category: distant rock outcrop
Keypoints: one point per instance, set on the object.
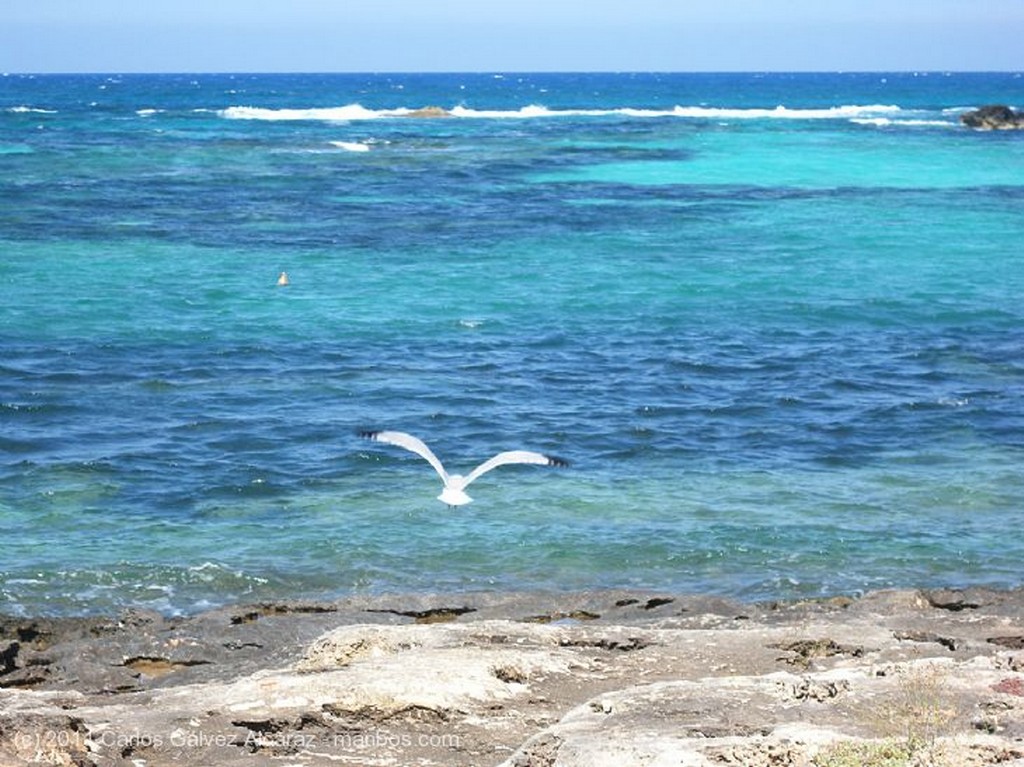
(993, 117)
(430, 112)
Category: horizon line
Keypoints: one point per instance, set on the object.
(227, 72)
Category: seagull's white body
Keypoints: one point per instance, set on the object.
(454, 491)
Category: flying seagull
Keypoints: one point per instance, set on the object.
(454, 492)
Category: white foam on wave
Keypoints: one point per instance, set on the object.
(30, 110)
(527, 112)
(328, 114)
(694, 112)
(350, 112)
(351, 146)
(885, 122)
(847, 112)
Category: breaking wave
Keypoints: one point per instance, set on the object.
(885, 122)
(351, 112)
(30, 110)
(351, 146)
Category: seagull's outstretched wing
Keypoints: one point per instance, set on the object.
(411, 443)
(513, 456)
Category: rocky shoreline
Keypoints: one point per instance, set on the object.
(538, 680)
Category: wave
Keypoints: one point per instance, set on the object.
(351, 146)
(170, 589)
(849, 112)
(350, 112)
(30, 110)
(329, 114)
(885, 122)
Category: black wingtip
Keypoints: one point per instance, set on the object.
(558, 463)
(367, 434)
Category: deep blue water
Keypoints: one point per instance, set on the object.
(774, 321)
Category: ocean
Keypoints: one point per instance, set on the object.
(775, 323)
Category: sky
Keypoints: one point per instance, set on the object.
(509, 35)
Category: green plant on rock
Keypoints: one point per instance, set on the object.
(922, 709)
(911, 720)
(849, 753)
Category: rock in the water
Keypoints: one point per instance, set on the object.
(993, 117)
(430, 112)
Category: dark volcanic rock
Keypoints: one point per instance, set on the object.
(993, 117)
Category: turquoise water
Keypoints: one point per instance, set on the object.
(774, 322)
